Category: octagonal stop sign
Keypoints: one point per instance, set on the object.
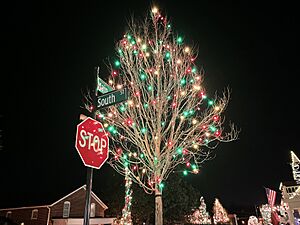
(92, 143)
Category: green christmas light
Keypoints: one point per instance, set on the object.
(120, 51)
(168, 55)
(179, 40)
(150, 88)
(161, 186)
(111, 128)
(182, 81)
(122, 108)
(210, 102)
(143, 76)
(212, 128)
(144, 130)
(146, 105)
(117, 63)
(179, 150)
(185, 172)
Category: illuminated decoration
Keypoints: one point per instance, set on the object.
(126, 212)
(283, 211)
(265, 211)
(171, 111)
(295, 167)
(220, 215)
(253, 220)
(200, 215)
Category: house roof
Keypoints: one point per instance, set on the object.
(93, 195)
(82, 187)
(26, 207)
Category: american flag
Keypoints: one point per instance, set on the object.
(271, 195)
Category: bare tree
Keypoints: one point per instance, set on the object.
(168, 119)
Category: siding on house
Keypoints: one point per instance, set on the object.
(23, 215)
(77, 201)
(55, 211)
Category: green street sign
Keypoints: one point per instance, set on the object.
(111, 98)
(102, 86)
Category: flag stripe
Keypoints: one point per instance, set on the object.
(271, 195)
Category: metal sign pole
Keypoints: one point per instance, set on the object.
(87, 208)
(89, 179)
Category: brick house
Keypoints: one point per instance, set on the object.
(68, 210)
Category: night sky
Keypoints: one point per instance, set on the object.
(51, 49)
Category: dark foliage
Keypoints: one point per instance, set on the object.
(6, 221)
(179, 198)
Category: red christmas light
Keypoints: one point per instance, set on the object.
(215, 118)
(129, 122)
(114, 73)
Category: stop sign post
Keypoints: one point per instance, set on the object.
(92, 143)
(92, 146)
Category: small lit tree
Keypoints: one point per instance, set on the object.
(169, 119)
(200, 215)
(220, 214)
(253, 220)
(265, 211)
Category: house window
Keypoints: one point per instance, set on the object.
(8, 214)
(66, 209)
(93, 210)
(34, 214)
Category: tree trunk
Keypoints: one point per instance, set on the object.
(158, 208)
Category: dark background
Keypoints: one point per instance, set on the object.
(49, 53)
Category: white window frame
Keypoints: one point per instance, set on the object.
(34, 214)
(66, 209)
(93, 210)
(8, 214)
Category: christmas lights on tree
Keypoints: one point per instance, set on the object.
(169, 118)
(200, 215)
(253, 220)
(126, 212)
(283, 211)
(265, 211)
(220, 215)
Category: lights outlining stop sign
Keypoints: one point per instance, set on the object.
(92, 143)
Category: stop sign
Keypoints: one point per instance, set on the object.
(92, 143)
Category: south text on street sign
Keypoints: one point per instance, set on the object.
(111, 98)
